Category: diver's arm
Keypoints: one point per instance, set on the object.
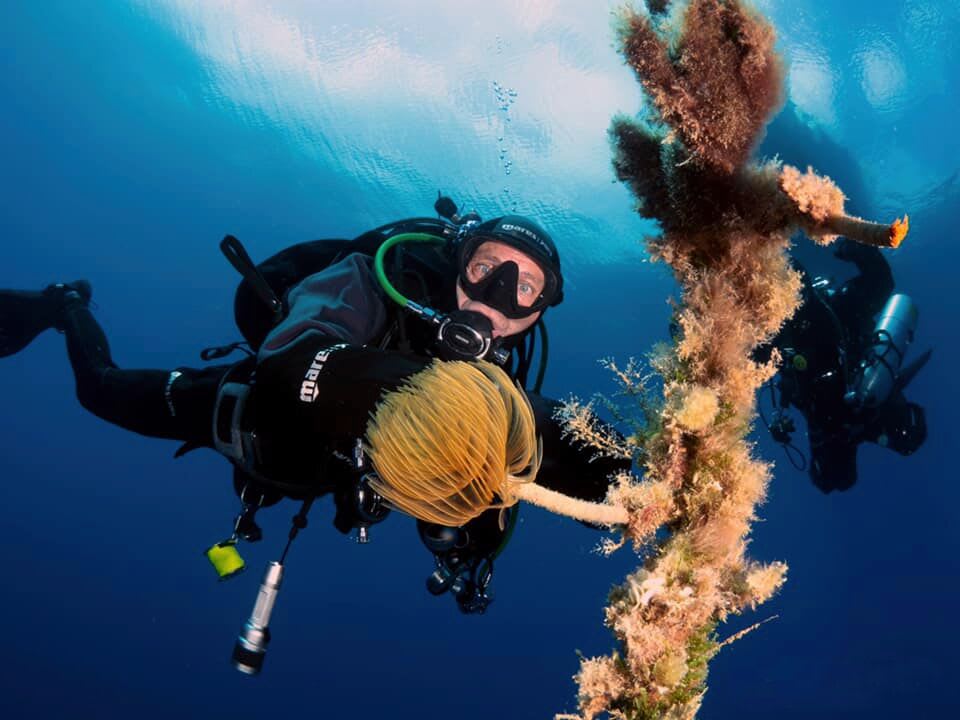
(315, 372)
(865, 294)
(327, 389)
(342, 302)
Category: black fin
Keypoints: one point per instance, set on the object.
(189, 446)
(24, 314)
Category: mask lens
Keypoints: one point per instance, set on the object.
(527, 287)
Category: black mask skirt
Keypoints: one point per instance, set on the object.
(499, 289)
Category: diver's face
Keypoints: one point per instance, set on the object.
(530, 283)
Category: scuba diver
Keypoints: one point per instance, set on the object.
(331, 328)
(843, 369)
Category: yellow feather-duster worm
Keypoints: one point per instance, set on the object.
(456, 439)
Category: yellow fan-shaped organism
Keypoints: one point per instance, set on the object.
(456, 439)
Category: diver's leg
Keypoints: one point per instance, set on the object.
(158, 403)
(899, 425)
(833, 463)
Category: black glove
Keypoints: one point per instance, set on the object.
(349, 383)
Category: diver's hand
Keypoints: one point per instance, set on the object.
(842, 249)
(851, 251)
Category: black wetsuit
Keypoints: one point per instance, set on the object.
(306, 420)
(832, 331)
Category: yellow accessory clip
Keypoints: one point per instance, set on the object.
(226, 559)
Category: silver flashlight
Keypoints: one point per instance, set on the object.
(251, 646)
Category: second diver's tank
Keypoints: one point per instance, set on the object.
(892, 336)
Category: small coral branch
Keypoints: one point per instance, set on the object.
(582, 426)
(819, 204)
(869, 233)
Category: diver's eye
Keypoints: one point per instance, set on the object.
(478, 269)
(527, 293)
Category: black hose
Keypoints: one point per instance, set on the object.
(237, 256)
(544, 353)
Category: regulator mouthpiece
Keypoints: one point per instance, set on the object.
(251, 647)
(468, 335)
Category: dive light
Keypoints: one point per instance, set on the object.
(251, 646)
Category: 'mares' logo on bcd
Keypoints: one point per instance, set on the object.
(308, 388)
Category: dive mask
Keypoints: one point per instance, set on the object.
(500, 287)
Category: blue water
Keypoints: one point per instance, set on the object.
(133, 135)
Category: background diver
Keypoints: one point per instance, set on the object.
(332, 327)
(843, 369)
